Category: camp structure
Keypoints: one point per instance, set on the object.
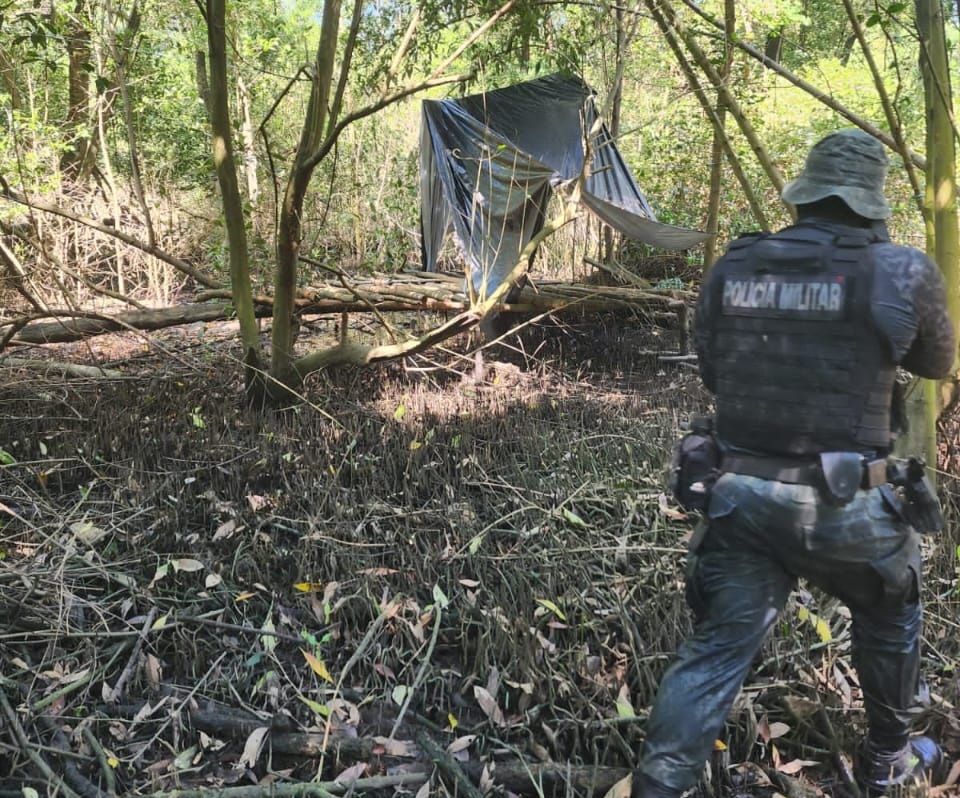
(489, 163)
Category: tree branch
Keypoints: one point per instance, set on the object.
(56, 210)
(918, 160)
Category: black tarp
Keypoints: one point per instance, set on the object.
(489, 162)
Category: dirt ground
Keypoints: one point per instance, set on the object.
(414, 581)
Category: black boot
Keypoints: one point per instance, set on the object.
(645, 787)
(920, 763)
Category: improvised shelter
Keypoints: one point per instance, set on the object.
(489, 162)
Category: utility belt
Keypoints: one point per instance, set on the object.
(847, 471)
(699, 460)
(904, 485)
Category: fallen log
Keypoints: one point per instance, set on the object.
(405, 292)
(68, 327)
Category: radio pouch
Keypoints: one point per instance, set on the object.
(843, 474)
(696, 466)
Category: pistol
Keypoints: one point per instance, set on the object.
(921, 508)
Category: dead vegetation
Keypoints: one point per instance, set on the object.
(411, 582)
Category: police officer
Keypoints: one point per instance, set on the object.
(799, 334)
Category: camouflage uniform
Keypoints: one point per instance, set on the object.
(764, 530)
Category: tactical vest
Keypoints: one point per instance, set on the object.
(800, 367)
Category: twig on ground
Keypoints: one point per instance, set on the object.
(449, 767)
(108, 777)
(134, 660)
(29, 749)
(421, 671)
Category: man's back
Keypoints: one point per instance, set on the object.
(799, 334)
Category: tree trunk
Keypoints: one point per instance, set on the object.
(8, 78)
(230, 191)
(940, 198)
(119, 53)
(249, 142)
(76, 161)
(716, 161)
(290, 226)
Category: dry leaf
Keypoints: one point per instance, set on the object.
(352, 773)
(669, 512)
(253, 746)
(153, 671)
(86, 532)
(795, 766)
(778, 730)
(489, 705)
(493, 681)
(402, 748)
(225, 530)
(257, 502)
(486, 778)
(186, 564)
(317, 666)
(347, 712)
(621, 789)
(539, 751)
(801, 708)
(843, 685)
(461, 743)
(763, 729)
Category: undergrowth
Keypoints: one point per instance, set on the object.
(198, 596)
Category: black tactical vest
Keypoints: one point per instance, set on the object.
(800, 367)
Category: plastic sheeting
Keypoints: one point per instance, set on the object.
(489, 163)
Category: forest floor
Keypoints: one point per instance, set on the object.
(418, 580)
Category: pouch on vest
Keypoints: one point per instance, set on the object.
(696, 465)
(843, 474)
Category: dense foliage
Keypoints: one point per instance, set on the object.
(126, 82)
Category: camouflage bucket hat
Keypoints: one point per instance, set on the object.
(849, 164)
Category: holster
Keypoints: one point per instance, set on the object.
(842, 475)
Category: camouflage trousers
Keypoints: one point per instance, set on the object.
(759, 537)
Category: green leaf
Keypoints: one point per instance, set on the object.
(823, 629)
(269, 640)
(625, 708)
(317, 708)
(160, 573)
(553, 608)
(440, 598)
(197, 419)
(6, 458)
(572, 518)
